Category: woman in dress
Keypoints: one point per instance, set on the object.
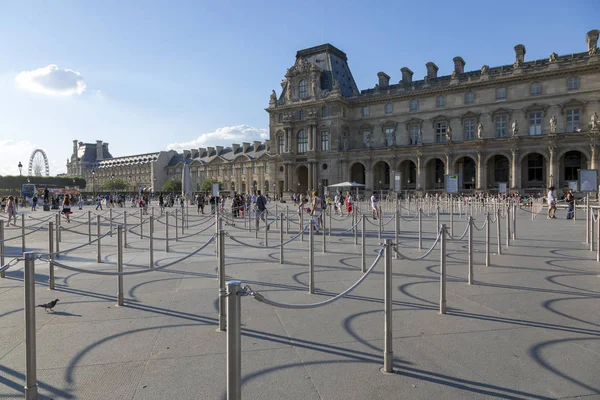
(66, 208)
(11, 210)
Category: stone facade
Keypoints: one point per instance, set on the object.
(528, 124)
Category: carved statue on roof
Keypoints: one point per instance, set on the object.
(553, 57)
(367, 139)
(485, 69)
(336, 86)
(301, 67)
(553, 124)
(345, 141)
(518, 63)
(454, 75)
(594, 121)
(480, 131)
(273, 98)
(515, 128)
(390, 138)
(592, 51)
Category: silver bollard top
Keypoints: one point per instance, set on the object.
(234, 283)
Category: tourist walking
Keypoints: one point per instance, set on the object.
(261, 210)
(316, 209)
(11, 210)
(374, 208)
(570, 198)
(551, 203)
(66, 208)
(98, 203)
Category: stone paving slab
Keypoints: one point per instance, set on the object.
(527, 329)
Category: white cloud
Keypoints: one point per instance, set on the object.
(224, 137)
(52, 80)
(11, 153)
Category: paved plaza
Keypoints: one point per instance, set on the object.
(527, 328)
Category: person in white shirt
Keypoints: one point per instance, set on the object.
(374, 206)
(551, 203)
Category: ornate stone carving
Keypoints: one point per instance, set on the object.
(301, 67)
(311, 113)
(485, 69)
(273, 98)
(454, 75)
(449, 134)
(518, 64)
(515, 128)
(390, 138)
(367, 139)
(480, 131)
(345, 141)
(553, 124)
(553, 57)
(594, 121)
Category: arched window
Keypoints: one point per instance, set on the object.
(302, 89)
(302, 141)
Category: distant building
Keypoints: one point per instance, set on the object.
(528, 124)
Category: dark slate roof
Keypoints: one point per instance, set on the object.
(87, 152)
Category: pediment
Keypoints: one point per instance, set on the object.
(536, 106)
(413, 121)
(470, 115)
(501, 111)
(365, 127)
(570, 104)
(389, 124)
(440, 117)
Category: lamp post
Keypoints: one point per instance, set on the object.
(112, 183)
(20, 168)
(473, 182)
(274, 194)
(380, 191)
(94, 182)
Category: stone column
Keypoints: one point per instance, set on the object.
(421, 175)
(515, 169)
(594, 155)
(393, 179)
(448, 164)
(314, 138)
(310, 176)
(310, 137)
(553, 175)
(480, 172)
(368, 175)
(286, 140)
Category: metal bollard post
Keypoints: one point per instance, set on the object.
(301, 219)
(281, 240)
(167, 232)
(388, 351)
(324, 234)
(487, 239)
(266, 227)
(183, 218)
(22, 233)
(498, 231)
(514, 217)
(58, 226)
(124, 229)
(51, 256)
(99, 257)
(355, 229)
(598, 238)
(396, 230)
(234, 341)
(31, 390)
(176, 225)
(222, 288)
(311, 260)
(141, 223)
(287, 219)
(120, 265)
(363, 258)
(451, 216)
(151, 250)
(443, 269)
(2, 274)
(470, 250)
(592, 231)
(89, 227)
(437, 216)
(276, 221)
(420, 228)
(110, 221)
(587, 219)
(330, 212)
(507, 226)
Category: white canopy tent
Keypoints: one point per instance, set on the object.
(347, 185)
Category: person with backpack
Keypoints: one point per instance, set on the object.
(261, 209)
(570, 198)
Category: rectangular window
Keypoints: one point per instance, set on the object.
(469, 98)
(440, 101)
(536, 89)
(501, 126)
(414, 105)
(254, 169)
(535, 167)
(365, 111)
(390, 137)
(324, 112)
(469, 125)
(301, 115)
(440, 132)
(281, 144)
(388, 108)
(573, 83)
(413, 131)
(280, 117)
(302, 142)
(500, 93)
(535, 123)
(243, 169)
(573, 119)
(324, 141)
(232, 170)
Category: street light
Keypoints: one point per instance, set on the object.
(112, 183)
(20, 168)
(94, 182)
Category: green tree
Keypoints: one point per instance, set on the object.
(172, 186)
(15, 182)
(114, 185)
(207, 185)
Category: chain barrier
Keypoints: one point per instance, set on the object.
(356, 224)
(259, 297)
(268, 247)
(437, 239)
(11, 263)
(25, 234)
(45, 258)
(482, 226)
(172, 239)
(461, 237)
(81, 245)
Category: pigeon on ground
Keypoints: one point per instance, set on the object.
(49, 305)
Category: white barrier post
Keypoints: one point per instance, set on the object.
(487, 239)
(514, 216)
(363, 260)
(470, 250)
(281, 240)
(507, 226)
(120, 298)
(592, 230)
(31, 390)
(51, 256)
(437, 215)
(451, 216)
(388, 351)
(443, 269)
(498, 212)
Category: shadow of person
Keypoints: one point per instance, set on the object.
(65, 314)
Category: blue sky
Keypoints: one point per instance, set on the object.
(152, 75)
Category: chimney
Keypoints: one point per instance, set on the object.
(459, 65)
(210, 150)
(268, 145)
(219, 149)
(74, 147)
(384, 80)
(256, 145)
(186, 154)
(245, 146)
(520, 53)
(201, 151)
(432, 70)
(105, 146)
(407, 75)
(99, 151)
(235, 147)
(592, 40)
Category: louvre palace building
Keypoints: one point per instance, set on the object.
(529, 124)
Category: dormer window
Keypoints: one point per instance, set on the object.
(501, 93)
(302, 89)
(280, 117)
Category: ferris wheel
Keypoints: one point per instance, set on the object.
(38, 163)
